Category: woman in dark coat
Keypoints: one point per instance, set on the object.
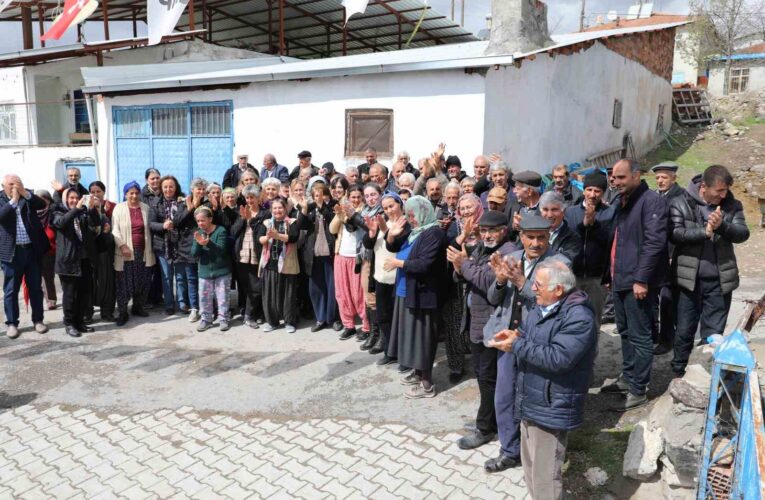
(421, 267)
(164, 235)
(104, 284)
(76, 226)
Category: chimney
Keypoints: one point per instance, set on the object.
(518, 26)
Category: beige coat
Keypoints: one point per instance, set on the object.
(122, 232)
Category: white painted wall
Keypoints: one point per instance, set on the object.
(559, 110)
(38, 166)
(681, 63)
(286, 117)
(756, 76)
(12, 91)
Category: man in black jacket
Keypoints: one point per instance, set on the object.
(639, 265)
(592, 219)
(232, 175)
(665, 174)
(304, 161)
(475, 270)
(705, 224)
(563, 239)
(562, 184)
(73, 176)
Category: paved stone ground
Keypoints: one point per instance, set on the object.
(158, 410)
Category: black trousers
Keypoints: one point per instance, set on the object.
(665, 332)
(251, 288)
(706, 303)
(279, 293)
(385, 296)
(485, 366)
(78, 293)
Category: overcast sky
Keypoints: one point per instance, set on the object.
(562, 17)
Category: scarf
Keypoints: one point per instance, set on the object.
(130, 185)
(368, 211)
(421, 210)
(477, 213)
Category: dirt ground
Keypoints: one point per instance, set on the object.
(601, 442)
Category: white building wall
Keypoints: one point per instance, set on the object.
(38, 166)
(286, 117)
(12, 91)
(684, 69)
(559, 110)
(756, 77)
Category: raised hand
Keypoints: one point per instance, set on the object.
(56, 185)
(15, 195)
(190, 203)
(456, 257)
(396, 227)
(589, 213)
(371, 223)
(495, 158)
(202, 238)
(80, 202)
(381, 224)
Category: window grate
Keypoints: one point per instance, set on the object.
(368, 128)
(7, 123)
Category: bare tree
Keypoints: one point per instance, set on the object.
(717, 26)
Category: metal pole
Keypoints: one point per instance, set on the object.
(192, 25)
(281, 28)
(452, 10)
(345, 34)
(26, 27)
(135, 23)
(105, 7)
(270, 27)
(41, 22)
(581, 17)
(462, 14)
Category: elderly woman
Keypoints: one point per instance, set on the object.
(420, 265)
(270, 189)
(211, 248)
(133, 257)
(318, 257)
(151, 190)
(467, 185)
(384, 280)
(186, 271)
(372, 208)
(104, 285)
(279, 267)
(76, 225)
(248, 177)
(247, 250)
(406, 181)
(349, 228)
(165, 235)
(500, 175)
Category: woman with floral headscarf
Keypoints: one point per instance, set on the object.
(133, 255)
(420, 265)
(464, 232)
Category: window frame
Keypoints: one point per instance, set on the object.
(9, 109)
(355, 113)
(737, 77)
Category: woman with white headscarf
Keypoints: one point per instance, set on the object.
(421, 264)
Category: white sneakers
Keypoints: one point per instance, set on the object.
(194, 316)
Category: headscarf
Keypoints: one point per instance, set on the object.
(477, 213)
(42, 214)
(130, 185)
(423, 213)
(394, 196)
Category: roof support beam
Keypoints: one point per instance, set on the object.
(335, 26)
(41, 22)
(105, 11)
(192, 21)
(413, 23)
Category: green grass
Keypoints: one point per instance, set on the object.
(589, 447)
(749, 121)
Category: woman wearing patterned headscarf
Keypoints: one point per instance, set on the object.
(133, 255)
(420, 265)
(463, 232)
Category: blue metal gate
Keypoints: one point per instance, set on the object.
(185, 140)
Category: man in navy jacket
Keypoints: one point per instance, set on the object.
(555, 350)
(639, 266)
(22, 245)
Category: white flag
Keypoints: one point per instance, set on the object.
(4, 4)
(354, 7)
(162, 17)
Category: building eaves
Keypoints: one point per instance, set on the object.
(457, 56)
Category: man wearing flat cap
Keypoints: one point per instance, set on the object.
(304, 161)
(513, 297)
(666, 185)
(474, 268)
(454, 168)
(592, 218)
(232, 175)
(527, 189)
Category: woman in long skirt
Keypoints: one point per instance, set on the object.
(420, 262)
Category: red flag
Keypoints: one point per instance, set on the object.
(74, 12)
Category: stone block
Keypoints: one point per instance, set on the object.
(643, 450)
(682, 439)
(693, 388)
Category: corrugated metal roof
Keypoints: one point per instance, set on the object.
(313, 28)
(464, 55)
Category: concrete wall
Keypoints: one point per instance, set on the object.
(38, 166)
(756, 76)
(12, 91)
(284, 118)
(559, 110)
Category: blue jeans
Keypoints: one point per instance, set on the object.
(634, 322)
(168, 271)
(187, 285)
(321, 289)
(25, 264)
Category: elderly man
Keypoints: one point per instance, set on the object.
(405, 159)
(665, 174)
(304, 161)
(352, 175)
(73, 176)
(555, 350)
(454, 168)
(378, 174)
(233, 174)
(405, 181)
(449, 202)
(592, 219)
(371, 156)
(705, 224)
(480, 172)
(499, 173)
(562, 184)
(396, 170)
(22, 245)
(434, 193)
(527, 190)
(496, 199)
(475, 269)
(563, 239)
(639, 267)
(272, 169)
(513, 297)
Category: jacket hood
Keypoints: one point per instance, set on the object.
(576, 298)
(693, 189)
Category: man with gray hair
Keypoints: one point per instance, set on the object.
(352, 175)
(405, 181)
(555, 351)
(73, 176)
(271, 168)
(563, 239)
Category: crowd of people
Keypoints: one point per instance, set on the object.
(514, 269)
